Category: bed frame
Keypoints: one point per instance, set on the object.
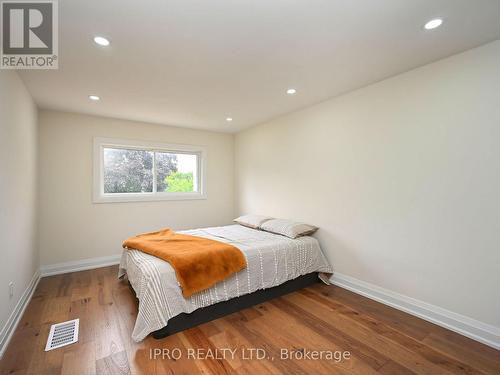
(184, 321)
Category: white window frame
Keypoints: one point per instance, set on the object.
(98, 190)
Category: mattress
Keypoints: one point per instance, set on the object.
(271, 260)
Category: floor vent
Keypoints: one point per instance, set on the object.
(62, 334)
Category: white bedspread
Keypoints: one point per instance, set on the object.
(271, 260)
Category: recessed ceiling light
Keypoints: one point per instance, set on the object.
(291, 91)
(432, 24)
(94, 98)
(101, 41)
(229, 119)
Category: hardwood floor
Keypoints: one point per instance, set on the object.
(324, 318)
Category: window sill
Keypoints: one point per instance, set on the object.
(146, 197)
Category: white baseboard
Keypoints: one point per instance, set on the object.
(17, 313)
(474, 329)
(79, 265)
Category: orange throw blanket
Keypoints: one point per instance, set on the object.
(198, 262)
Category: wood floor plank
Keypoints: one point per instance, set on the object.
(295, 336)
(449, 363)
(115, 364)
(370, 355)
(408, 324)
(108, 338)
(172, 364)
(82, 309)
(228, 339)
(209, 329)
(393, 368)
(380, 339)
(484, 361)
(42, 362)
(32, 317)
(258, 339)
(231, 337)
(387, 347)
(79, 359)
(140, 362)
(469, 345)
(197, 340)
(18, 355)
(281, 338)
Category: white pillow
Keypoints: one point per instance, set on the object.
(252, 221)
(288, 228)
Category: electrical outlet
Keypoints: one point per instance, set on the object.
(11, 289)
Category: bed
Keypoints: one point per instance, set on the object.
(275, 265)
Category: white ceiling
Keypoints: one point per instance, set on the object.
(193, 63)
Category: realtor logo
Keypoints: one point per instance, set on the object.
(29, 35)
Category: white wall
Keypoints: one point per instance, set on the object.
(18, 190)
(403, 177)
(73, 228)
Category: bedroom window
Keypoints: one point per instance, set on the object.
(126, 171)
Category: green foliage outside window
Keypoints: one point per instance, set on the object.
(179, 182)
